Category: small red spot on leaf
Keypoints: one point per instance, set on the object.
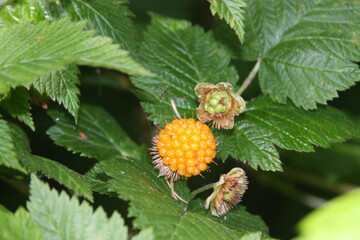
(44, 105)
(40, 38)
(356, 41)
(83, 136)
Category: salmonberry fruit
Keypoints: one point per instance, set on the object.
(184, 147)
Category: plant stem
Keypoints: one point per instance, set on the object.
(251, 76)
(201, 189)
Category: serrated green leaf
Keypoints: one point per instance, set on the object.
(266, 124)
(49, 168)
(152, 205)
(18, 106)
(62, 86)
(338, 219)
(103, 138)
(233, 13)
(306, 47)
(8, 156)
(110, 18)
(181, 55)
(18, 226)
(61, 217)
(30, 51)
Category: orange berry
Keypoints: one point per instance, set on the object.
(208, 160)
(181, 172)
(160, 145)
(194, 146)
(208, 152)
(196, 172)
(186, 146)
(201, 159)
(190, 154)
(202, 166)
(162, 152)
(171, 153)
(190, 169)
(168, 145)
(190, 162)
(200, 153)
(173, 168)
(166, 160)
(203, 145)
(179, 153)
(181, 166)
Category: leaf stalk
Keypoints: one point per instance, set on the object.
(249, 79)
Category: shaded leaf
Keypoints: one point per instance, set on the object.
(306, 47)
(152, 205)
(233, 13)
(96, 135)
(181, 55)
(110, 18)
(30, 51)
(60, 217)
(49, 168)
(18, 106)
(266, 124)
(8, 156)
(62, 86)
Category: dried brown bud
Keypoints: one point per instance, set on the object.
(227, 192)
(218, 103)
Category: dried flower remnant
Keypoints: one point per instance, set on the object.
(227, 192)
(218, 103)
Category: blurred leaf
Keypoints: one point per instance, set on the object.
(30, 51)
(62, 86)
(18, 106)
(60, 217)
(18, 226)
(25, 11)
(49, 168)
(110, 18)
(152, 205)
(96, 135)
(252, 236)
(233, 13)
(181, 55)
(7, 150)
(265, 124)
(338, 219)
(306, 47)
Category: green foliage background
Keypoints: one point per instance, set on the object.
(108, 69)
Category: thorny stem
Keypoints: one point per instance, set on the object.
(175, 109)
(251, 76)
(201, 189)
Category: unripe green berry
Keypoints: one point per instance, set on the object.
(218, 108)
(211, 110)
(217, 96)
(214, 102)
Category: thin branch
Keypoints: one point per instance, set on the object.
(201, 189)
(249, 79)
